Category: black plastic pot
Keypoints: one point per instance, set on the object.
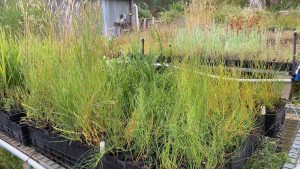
(250, 145)
(274, 120)
(110, 162)
(14, 116)
(10, 124)
(55, 147)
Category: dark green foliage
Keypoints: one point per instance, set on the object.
(176, 11)
(236, 2)
(285, 5)
(157, 6)
(144, 13)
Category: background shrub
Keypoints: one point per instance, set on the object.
(176, 11)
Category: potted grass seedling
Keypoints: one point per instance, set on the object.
(60, 88)
(11, 110)
(249, 146)
(150, 118)
(11, 75)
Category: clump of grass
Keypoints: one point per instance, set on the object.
(136, 109)
(288, 21)
(11, 75)
(20, 17)
(11, 17)
(17, 18)
(10, 63)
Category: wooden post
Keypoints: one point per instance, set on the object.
(144, 24)
(153, 21)
(143, 47)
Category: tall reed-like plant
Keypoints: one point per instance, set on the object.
(170, 119)
(10, 63)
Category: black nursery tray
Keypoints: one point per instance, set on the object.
(14, 116)
(10, 124)
(55, 147)
(228, 61)
(250, 145)
(18, 132)
(70, 154)
(110, 162)
(274, 120)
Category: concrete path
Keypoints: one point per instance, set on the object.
(291, 139)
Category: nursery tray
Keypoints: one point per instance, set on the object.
(249, 146)
(272, 65)
(6, 117)
(55, 147)
(110, 162)
(17, 131)
(70, 153)
(274, 121)
(10, 124)
(244, 64)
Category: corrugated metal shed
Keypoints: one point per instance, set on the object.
(116, 16)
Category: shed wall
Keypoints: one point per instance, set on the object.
(111, 11)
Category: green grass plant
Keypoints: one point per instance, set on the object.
(285, 21)
(20, 17)
(11, 75)
(171, 119)
(10, 63)
(11, 17)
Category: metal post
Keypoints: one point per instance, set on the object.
(295, 52)
(143, 46)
